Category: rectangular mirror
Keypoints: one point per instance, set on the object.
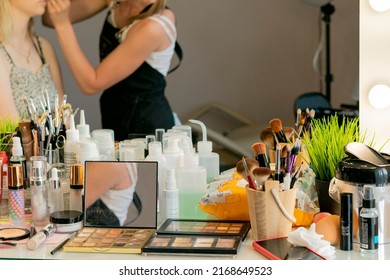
(120, 194)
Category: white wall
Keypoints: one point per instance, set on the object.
(252, 55)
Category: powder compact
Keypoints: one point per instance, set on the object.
(106, 231)
(7, 234)
(205, 237)
(179, 244)
(205, 227)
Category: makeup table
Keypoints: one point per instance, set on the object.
(245, 252)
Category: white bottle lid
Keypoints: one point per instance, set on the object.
(155, 149)
(72, 133)
(82, 127)
(17, 150)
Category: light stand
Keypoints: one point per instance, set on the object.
(327, 10)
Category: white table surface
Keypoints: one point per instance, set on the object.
(245, 252)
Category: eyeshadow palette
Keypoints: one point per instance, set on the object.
(105, 240)
(109, 228)
(205, 227)
(208, 245)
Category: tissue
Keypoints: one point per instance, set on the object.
(309, 238)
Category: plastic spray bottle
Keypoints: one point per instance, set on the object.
(207, 157)
(171, 196)
(368, 227)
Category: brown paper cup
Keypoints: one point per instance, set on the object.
(268, 218)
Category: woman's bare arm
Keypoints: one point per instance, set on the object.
(80, 10)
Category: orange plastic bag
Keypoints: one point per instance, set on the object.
(228, 201)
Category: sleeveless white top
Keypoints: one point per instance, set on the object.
(119, 200)
(160, 60)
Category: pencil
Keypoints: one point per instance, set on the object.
(59, 247)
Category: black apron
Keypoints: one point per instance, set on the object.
(137, 104)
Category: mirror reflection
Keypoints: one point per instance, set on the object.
(120, 194)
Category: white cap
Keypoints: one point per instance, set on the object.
(87, 149)
(82, 127)
(155, 148)
(72, 133)
(17, 150)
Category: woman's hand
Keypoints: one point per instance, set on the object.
(59, 12)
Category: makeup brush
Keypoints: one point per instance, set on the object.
(267, 136)
(283, 155)
(289, 132)
(251, 164)
(277, 127)
(248, 175)
(298, 120)
(260, 151)
(261, 174)
(277, 163)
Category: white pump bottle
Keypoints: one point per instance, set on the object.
(207, 158)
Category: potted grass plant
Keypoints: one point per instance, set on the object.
(325, 148)
(7, 131)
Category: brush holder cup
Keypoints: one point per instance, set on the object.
(271, 211)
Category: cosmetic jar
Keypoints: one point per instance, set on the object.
(67, 221)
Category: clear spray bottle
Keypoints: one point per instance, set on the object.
(368, 226)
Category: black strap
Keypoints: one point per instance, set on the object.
(178, 49)
(179, 53)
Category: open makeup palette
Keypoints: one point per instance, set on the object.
(105, 235)
(213, 237)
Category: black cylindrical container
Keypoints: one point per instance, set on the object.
(346, 221)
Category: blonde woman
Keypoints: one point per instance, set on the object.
(28, 63)
(136, 47)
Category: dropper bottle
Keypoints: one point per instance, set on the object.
(207, 158)
(56, 197)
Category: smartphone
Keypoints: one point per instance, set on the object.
(280, 249)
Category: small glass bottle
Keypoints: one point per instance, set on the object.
(368, 227)
(39, 190)
(76, 187)
(56, 197)
(16, 195)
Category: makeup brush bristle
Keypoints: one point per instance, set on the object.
(250, 162)
(267, 136)
(261, 174)
(259, 148)
(276, 125)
